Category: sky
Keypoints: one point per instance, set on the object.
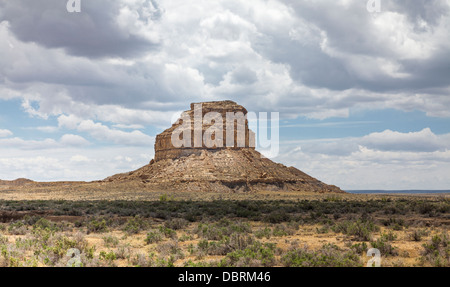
(363, 96)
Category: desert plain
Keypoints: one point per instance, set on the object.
(128, 224)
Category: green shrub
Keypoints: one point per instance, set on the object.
(418, 234)
(3, 240)
(425, 208)
(163, 262)
(141, 260)
(190, 263)
(170, 248)
(277, 217)
(359, 247)
(323, 229)
(221, 229)
(264, 232)
(153, 236)
(60, 245)
(177, 223)
(361, 229)
(333, 198)
(281, 230)
(164, 198)
(89, 252)
(31, 220)
(383, 244)
(167, 232)
(212, 247)
(437, 251)
(390, 236)
(239, 241)
(135, 225)
(256, 254)
(235, 242)
(328, 256)
(107, 256)
(97, 226)
(43, 223)
(111, 241)
(185, 237)
(17, 228)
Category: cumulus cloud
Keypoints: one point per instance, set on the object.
(120, 66)
(5, 133)
(28, 144)
(422, 141)
(385, 160)
(101, 132)
(318, 59)
(423, 12)
(371, 169)
(70, 163)
(105, 28)
(73, 140)
(339, 147)
(47, 129)
(67, 140)
(129, 127)
(79, 159)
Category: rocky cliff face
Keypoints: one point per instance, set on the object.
(195, 123)
(227, 164)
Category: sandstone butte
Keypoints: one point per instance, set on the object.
(218, 169)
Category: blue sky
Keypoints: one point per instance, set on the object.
(363, 97)
(361, 123)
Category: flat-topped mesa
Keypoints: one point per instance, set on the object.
(206, 126)
(211, 148)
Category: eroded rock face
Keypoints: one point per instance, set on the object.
(225, 166)
(197, 121)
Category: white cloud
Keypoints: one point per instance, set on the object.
(47, 129)
(387, 160)
(28, 144)
(129, 127)
(422, 141)
(26, 105)
(121, 66)
(300, 58)
(5, 133)
(46, 144)
(70, 122)
(73, 140)
(79, 159)
(103, 133)
(71, 164)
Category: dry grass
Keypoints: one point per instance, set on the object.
(280, 223)
(409, 252)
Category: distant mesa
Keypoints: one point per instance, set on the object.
(222, 164)
(17, 182)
